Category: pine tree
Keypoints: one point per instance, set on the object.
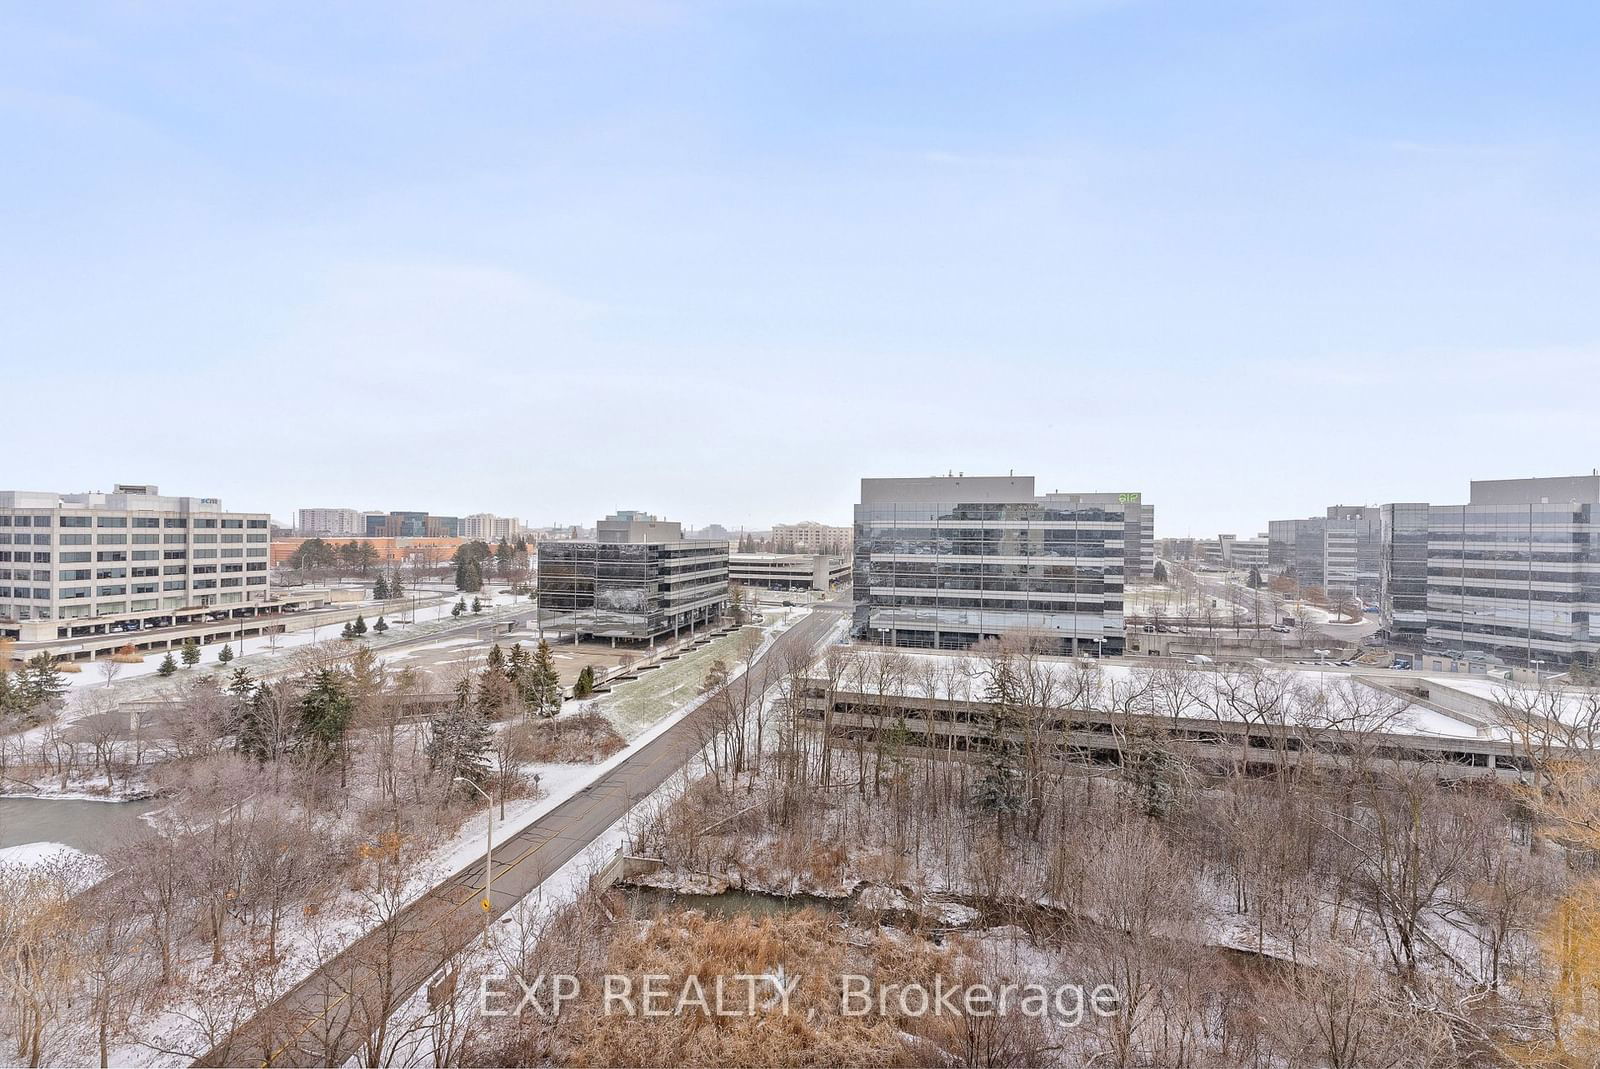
(585, 684)
(349, 632)
(459, 607)
(517, 664)
(325, 711)
(542, 683)
(241, 685)
(380, 627)
(459, 739)
(225, 654)
(168, 665)
(397, 589)
(380, 589)
(996, 789)
(359, 627)
(40, 681)
(495, 660)
(189, 653)
(477, 606)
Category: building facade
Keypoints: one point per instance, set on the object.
(1514, 575)
(788, 571)
(334, 523)
(949, 561)
(131, 557)
(1340, 552)
(638, 581)
(809, 536)
(488, 527)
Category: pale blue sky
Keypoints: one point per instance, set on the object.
(719, 261)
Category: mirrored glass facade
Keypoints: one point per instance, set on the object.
(632, 591)
(947, 574)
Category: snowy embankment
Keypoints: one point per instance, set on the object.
(86, 869)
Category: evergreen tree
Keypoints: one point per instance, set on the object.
(241, 685)
(517, 664)
(459, 607)
(40, 682)
(359, 627)
(380, 627)
(997, 788)
(521, 547)
(168, 665)
(542, 683)
(325, 712)
(495, 661)
(225, 654)
(585, 684)
(1255, 578)
(397, 589)
(380, 589)
(1160, 574)
(459, 739)
(477, 606)
(349, 632)
(189, 653)
(502, 554)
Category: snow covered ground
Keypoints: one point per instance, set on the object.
(31, 855)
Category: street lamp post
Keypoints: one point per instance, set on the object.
(488, 855)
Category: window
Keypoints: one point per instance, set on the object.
(146, 521)
(74, 521)
(146, 539)
(110, 554)
(111, 521)
(233, 523)
(173, 522)
(76, 557)
(259, 524)
(205, 523)
(111, 539)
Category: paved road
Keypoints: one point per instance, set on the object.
(330, 1014)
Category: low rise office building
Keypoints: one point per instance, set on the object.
(130, 559)
(788, 571)
(638, 580)
(949, 561)
(1513, 576)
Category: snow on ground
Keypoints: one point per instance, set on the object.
(86, 869)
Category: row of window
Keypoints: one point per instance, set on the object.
(80, 593)
(11, 520)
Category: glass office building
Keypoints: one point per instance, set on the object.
(949, 561)
(1405, 572)
(1512, 577)
(632, 591)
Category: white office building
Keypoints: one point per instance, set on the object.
(132, 557)
(810, 536)
(331, 523)
(490, 528)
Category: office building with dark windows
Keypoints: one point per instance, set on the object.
(639, 580)
(949, 561)
(1340, 552)
(1511, 577)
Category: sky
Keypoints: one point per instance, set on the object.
(720, 261)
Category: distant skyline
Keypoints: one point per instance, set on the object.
(721, 261)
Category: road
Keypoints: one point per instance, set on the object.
(330, 1015)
